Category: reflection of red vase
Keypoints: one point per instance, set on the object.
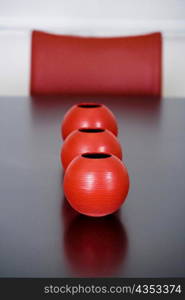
(88, 115)
(89, 140)
(68, 214)
(95, 247)
(96, 184)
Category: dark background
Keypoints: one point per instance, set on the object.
(41, 236)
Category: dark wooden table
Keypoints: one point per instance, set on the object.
(41, 236)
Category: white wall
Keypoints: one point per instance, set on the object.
(89, 17)
(131, 9)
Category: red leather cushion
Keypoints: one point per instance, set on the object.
(87, 65)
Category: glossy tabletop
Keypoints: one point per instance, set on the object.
(40, 234)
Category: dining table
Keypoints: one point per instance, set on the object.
(41, 235)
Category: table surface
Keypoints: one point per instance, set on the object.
(41, 236)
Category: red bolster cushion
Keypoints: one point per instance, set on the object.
(96, 65)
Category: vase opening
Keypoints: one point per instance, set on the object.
(91, 130)
(89, 105)
(96, 155)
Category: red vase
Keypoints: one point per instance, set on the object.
(89, 140)
(96, 184)
(88, 115)
(95, 247)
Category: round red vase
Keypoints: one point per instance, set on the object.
(89, 140)
(96, 184)
(95, 246)
(88, 115)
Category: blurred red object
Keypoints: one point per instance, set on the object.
(96, 65)
(89, 140)
(96, 184)
(88, 115)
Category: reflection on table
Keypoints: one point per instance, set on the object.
(93, 246)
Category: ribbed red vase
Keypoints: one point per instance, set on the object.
(96, 184)
(89, 140)
(88, 115)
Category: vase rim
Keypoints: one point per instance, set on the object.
(96, 155)
(91, 130)
(89, 105)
